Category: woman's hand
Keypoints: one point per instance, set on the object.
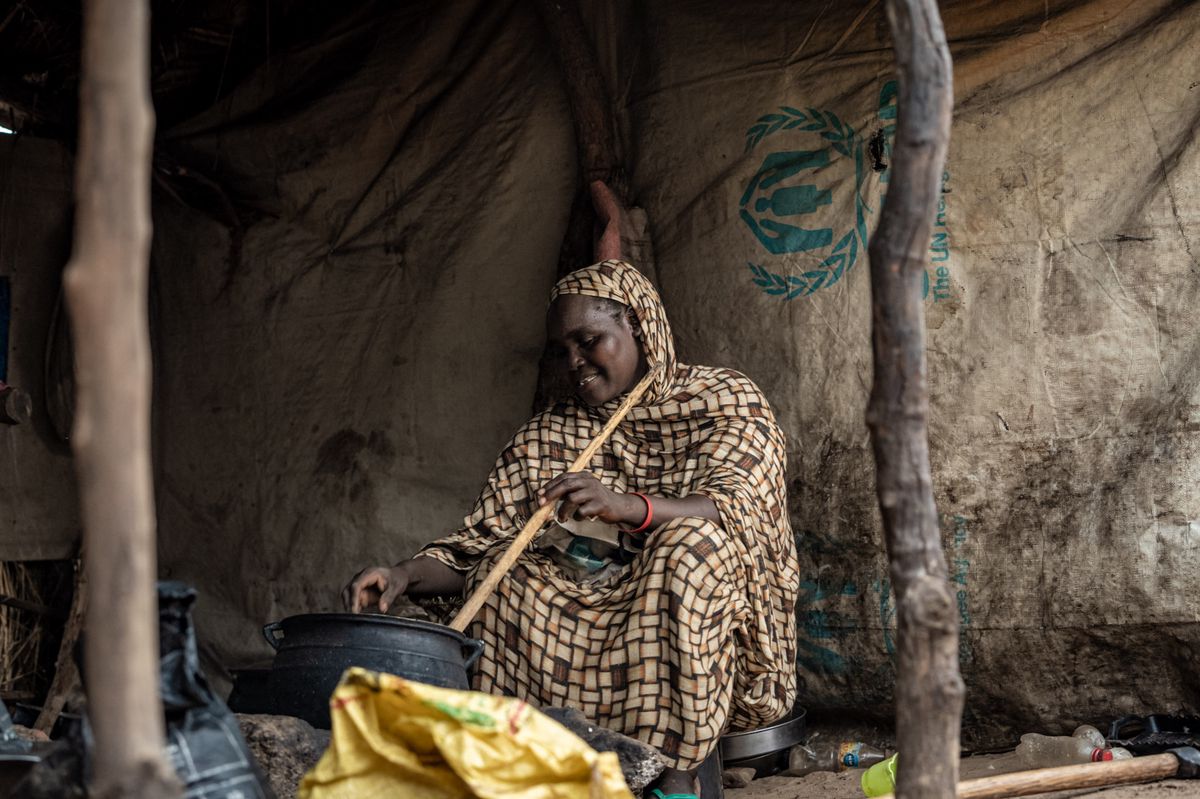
(585, 497)
(417, 577)
(375, 585)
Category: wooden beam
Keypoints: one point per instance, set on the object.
(595, 134)
(591, 108)
(106, 289)
(929, 690)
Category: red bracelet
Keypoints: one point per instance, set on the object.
(646, 522)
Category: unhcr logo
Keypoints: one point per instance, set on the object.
(771, 203)
(805, 206)
(789, 203)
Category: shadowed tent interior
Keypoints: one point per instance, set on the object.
(358, 213)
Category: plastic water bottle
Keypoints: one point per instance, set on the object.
(1085, 745)
(1090, 733)
(832, 757)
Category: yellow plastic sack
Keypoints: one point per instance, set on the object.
(396, 738)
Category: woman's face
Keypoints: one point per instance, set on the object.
(593, 347)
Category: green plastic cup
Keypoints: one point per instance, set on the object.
(880, 778)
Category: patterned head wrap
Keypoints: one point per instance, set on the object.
(621, 282)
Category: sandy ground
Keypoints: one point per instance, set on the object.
(825, 785)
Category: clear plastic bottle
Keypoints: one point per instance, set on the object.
(1085, 745)
(829, 756)
(1090, 733)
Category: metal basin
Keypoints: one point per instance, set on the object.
(766, 749)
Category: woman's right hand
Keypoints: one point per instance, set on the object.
(375, 585)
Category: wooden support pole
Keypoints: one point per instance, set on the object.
(929, 690)
(591, 108)
(106, 289)
(601, 225)
(595, 133)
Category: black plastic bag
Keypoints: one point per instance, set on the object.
(204, 743)
(64, 770)
(1150, 735)
(10, 743)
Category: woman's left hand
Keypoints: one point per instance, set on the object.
(585, 497)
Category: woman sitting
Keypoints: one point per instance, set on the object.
(663, 606)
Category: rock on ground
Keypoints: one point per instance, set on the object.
(30, 734)
(640, 763)
(284, 747)
(737, 777)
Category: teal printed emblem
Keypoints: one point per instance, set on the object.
(808, 229)
(821, 627)
(787, 202)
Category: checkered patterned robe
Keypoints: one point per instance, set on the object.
(699, 635)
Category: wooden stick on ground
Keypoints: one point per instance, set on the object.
(66, 676)
(1087, 775)
(542, 515)
(929, 691)
(106, 289)
(1070, 778)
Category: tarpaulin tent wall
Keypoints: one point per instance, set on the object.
(39, 508)
(1062, 281)
(341, 366)
(343, 353)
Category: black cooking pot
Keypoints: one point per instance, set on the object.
(312, 651)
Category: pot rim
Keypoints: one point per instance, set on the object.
(370, 619)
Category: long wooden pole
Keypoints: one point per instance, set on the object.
(929, 691)
(105, 285)
(542, 514)
(1069, 778)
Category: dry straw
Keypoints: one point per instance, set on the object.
(21, 632)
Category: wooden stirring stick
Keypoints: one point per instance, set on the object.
(531, 528)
